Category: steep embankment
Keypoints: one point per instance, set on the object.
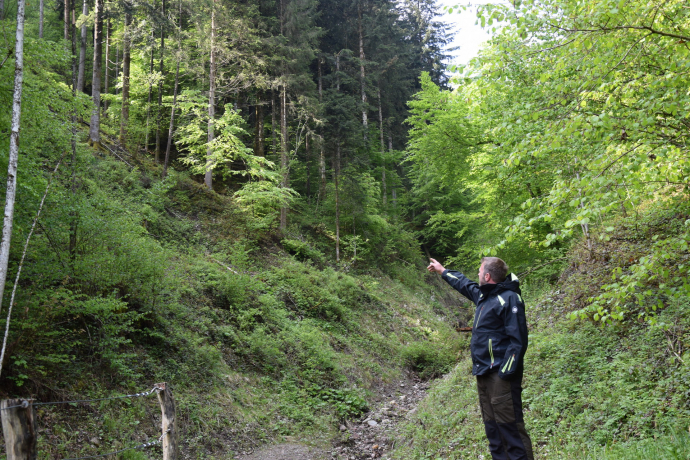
(133, 280)
(591, 390)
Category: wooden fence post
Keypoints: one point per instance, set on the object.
(19, 428)
(169, 424)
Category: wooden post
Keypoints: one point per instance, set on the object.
(19, 428)
(168, 424)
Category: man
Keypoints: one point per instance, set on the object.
(499, 342)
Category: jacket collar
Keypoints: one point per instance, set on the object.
(511, 283)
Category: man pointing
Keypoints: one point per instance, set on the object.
(498, 346)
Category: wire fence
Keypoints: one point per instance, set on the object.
(25, 404)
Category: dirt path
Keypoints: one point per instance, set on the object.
(372, 436)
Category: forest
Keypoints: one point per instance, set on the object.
(240, 198)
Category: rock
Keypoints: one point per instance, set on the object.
(372, 422)
(343, 428)
(95, 441)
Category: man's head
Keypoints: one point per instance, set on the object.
(492, 270)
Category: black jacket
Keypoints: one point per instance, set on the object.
(499, 332)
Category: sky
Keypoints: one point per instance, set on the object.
(468, 36)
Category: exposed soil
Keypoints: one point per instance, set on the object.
(372, 436)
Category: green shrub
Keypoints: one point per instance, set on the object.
(429, 359)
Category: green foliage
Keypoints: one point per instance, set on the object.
(348, 403)
(428, 358)
(226, 146)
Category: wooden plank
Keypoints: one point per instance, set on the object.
(169, 422)
(19, 428)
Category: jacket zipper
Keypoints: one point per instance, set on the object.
(491, 353)
(480, 316)
(508, 365)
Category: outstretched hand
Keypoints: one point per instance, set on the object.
(434, 266)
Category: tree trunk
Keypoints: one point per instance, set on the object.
(41, 8)
(394, 194)
(308, 160)
(82, 50)
(273, 123)
(148, 101)
(322, 156)
(106, 86)
(362, 76)
(117, 65)
(337, 71)
(66, 19)
(95, 129)
(259, 127)
(337, 202)
(283, 152)
(160, 90)
(174, 104)
(126, 61)
(72, 248)
(383, 150)
(11, 190)
(211, 102)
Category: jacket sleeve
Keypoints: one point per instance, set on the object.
(462, 284)
(516, 330)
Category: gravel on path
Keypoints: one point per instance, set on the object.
(372, 436)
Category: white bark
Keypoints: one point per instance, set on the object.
(14, 148)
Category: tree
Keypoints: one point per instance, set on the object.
(95, 128)
(11, 190)
(82, 48)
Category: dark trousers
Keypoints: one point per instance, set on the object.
(501, 404)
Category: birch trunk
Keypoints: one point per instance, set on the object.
(208, 177)
(14, 147)
(82, 50)
(95, 128)
(126, 61)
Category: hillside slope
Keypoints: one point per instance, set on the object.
(261, 337)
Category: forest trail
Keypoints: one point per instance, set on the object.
(371, 436)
